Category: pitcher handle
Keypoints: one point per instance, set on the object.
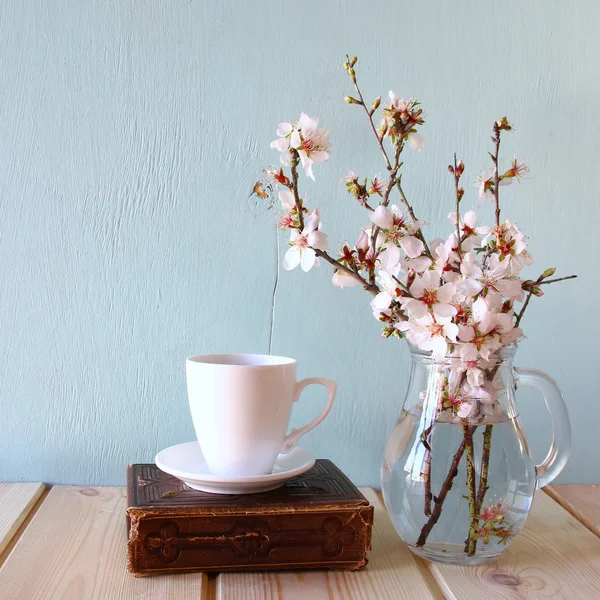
(560, 448)
(290, 441)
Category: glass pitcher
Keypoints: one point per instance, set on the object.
(458, 477)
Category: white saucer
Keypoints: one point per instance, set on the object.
(186, 462)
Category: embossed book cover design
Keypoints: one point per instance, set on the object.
(316, 520)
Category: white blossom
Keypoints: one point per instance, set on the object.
(429, 334)
(342, 279)
(311, 143)
(428, 294)
(485, 183)
(303, 244)
(389, 291)
(398, 231)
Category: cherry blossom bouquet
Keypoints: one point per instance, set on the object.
(462, 299)
(455, 297)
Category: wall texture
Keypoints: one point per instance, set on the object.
(130, 136)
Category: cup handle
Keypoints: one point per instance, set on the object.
(559, 417)
(290, 441)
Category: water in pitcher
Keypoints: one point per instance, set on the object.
(438, 526)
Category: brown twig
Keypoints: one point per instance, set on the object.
(457, 189)
(427, 477)
(531, 287)
(294, 168)
(525, 305)
(426, 473)
(485, 462)
(547, 281)
(370, 117)
(373, 289)
(439, 500)
(411, 212)
(496, 173)
(528, 299)
(386, 194)
(471, 543)
(393, 173)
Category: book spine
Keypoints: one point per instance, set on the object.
(337, 539)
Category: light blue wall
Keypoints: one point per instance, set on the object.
(130, 135)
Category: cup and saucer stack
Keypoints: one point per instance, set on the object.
(241, 406)
(244, 496)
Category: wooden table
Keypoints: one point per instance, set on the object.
(69, 542)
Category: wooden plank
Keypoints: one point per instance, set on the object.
(16, 501)
(582, 501)
(554, 557)
(75, 547)
(392, 573)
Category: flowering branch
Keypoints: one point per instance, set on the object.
(349, 66)
(499, 125)
(401, 129)
(373, 289)
(534, 290)
(457, 170)
(454, 298)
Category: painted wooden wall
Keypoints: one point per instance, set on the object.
(130, 136)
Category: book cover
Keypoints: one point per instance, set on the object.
(314, 521)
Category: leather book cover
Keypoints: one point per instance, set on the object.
(317, 520)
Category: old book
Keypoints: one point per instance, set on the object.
(316, 520)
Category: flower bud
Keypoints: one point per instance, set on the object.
(536, 291)
(353, 61)
(351, 100)
(507, 305)
(451, 169)
(548, 272)
(376, 103)
(351, 72)
(460, 168)
(363, 241)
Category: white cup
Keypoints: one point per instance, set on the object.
(241, 406)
